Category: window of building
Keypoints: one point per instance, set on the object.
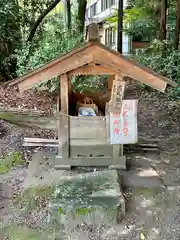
(87, 14)
(93, 9)
(110, 36)
(106, 4)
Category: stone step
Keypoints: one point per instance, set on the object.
(91, 198)
(144, 177)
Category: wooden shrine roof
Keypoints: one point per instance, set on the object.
(96, 53)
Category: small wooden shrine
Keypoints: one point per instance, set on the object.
(89, 140)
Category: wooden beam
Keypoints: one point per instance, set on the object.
(110, 84)
(117, 95)
(58, 68)
(90, 162)
(63, 136)
(91, 70)
(93, 32)
(129, 68)
(64, 85)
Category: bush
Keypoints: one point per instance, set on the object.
(162, 58)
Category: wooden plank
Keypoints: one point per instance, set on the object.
(58, 68)
(64, 120)
(91, 150)
(64, 85)
(89, 161)
(91, 70)
(75, 120)
(88, 142)
(129, 68)
(33, 113)
(40, 140)
(117, 95)
(36, 144)
(82, 127)
(110, 85)
(88, 133)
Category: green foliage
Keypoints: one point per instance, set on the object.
(162, 58)
(10, 161)
(55, 42)
(88, 83)
(138, 21)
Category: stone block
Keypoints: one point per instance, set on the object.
(89, 198)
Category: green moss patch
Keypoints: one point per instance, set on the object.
(9, 161)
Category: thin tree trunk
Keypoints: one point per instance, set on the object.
(40, 19)
(68, 14)
(81, 14)
(163, 20)
(177, 25)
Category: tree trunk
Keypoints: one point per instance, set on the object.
(68, 14)
(40, 19)
(163, 20)
(177, 25)
(81, 14)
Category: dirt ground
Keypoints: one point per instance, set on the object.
(152, 212)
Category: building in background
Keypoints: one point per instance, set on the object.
(98, 11)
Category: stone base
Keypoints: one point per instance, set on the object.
(90, 198)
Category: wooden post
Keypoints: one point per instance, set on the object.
(93, 32)
(117, 95)
(110, 84)
(63, 136)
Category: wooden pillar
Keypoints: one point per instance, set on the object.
(110, 84)
(117, 95)
(63, 131)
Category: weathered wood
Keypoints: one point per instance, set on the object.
(89, 161)
(64, 94)
(33, 113)
(91, 150)
(93, 32)
(98, 53)
(64, 121)
(117, 95)
(58, 67)
(40, 140)
(110, 85)
(82, 127)
(88, 142)
(31, 144)
(91, 70)
(57, 110)
(129, 68)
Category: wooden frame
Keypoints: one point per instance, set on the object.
(85, 135)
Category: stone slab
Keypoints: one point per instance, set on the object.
(89, 198)
(141, 177)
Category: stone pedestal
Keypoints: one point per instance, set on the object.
(90, 198)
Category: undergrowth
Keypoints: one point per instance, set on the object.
(10, 161)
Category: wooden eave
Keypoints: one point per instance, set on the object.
(91, 53)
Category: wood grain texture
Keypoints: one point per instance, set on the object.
(129, 68)
(98, 53)
(91, 70)
(59, 67)
(89, 161)
(64, 120)
(117, 95)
